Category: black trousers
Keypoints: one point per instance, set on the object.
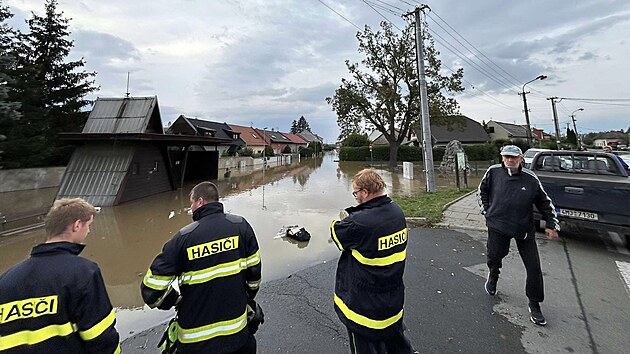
(396, 344)
(498, 247)
(248, 348)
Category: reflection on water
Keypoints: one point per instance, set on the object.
(125, 239)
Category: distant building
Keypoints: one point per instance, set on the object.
(460, 128)
(512, 132)
(309, 136)
(296, 142)
(609, 138)
(378, 138)
(276, 139)
(251, 137)
(540, 135)
(192, 126)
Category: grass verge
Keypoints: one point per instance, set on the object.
(428, 205)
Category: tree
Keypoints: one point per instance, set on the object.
(299, 126)
(356, 140)
(9, 109)
(571, 136)
(387, 95)
(51, 91)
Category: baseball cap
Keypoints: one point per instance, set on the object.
(511, 150)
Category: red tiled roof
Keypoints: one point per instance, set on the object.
(295, 138)
(248, 134)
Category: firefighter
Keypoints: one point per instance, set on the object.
(369, 288)
(216, 262)
(55, 301)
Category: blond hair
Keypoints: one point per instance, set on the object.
(369, 180)
(64, 212)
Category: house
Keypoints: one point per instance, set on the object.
(296, 142)
(276, 139)
(309, 137)
(378, 138)
(460, 128)
(251, 137)
(540, 135)
(192, 126)
(512, 132)
(123, 154)
(610, 138)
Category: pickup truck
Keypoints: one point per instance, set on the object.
(590, 190)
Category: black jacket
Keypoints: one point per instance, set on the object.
(62, 298)
(216, 262)
(507, 202)
(369, 288)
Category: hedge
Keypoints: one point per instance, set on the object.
(480, 152)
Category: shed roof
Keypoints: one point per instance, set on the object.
(124, 115)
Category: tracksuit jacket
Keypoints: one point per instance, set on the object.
(56, 302)
(369, 288)
(216, 262)
(507, 201)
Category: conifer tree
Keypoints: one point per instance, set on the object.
(51, 91)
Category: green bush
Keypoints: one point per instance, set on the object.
(480, 152)
(286, 150)
(307, 152)
(356, 140)
(246, 151)
(269, 151)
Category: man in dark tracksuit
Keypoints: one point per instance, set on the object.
(216, 262)
(55, 301)
(369, 288)
(507, 194)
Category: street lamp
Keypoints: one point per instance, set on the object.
(579, 141)
(523, 93)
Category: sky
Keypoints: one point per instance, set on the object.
(267, 62)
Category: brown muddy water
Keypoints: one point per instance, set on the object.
(311, 193)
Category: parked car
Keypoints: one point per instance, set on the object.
(590, 190)
(528, 156)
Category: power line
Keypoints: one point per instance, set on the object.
(340, 15)
(507, 80)
(383, 16)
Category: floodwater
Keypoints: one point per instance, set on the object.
(124, 239)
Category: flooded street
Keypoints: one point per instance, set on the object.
(125, 239)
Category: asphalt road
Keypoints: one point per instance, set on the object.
(446, 309)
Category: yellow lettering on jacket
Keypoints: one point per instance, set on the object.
(28, 308)
(214, 247)
(387, 242)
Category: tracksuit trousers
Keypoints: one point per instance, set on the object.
(498, 247)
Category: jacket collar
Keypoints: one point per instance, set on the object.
(207, 209)
(49, 249)
(372, 203)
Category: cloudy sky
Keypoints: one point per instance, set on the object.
(268, 62)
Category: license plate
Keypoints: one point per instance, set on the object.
(578, 214)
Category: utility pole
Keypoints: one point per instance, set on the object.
(555, 120)
(524, 94)
(427, 144)
(577, 136)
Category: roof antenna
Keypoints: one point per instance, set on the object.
(127, 93)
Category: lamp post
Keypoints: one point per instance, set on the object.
(264, 167)
(524, 94)
(577, 136)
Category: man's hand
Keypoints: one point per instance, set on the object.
(552, 234)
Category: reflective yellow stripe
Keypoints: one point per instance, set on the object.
(157, 282)
(36, 336)
(220, 270)
(223, 328)
(380, 262)
(365, 321)
(117, 351)
(98, 328)
(334, 235)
